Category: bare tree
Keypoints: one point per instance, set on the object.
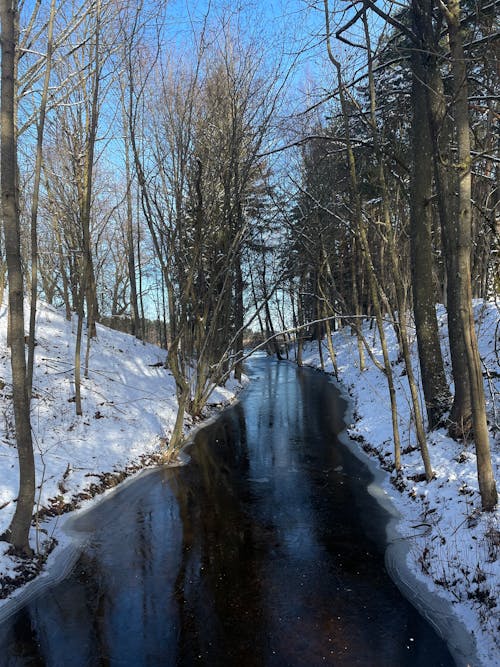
(36, 197)
(365, 248)
(18, 531)
(437, 396)
(462, 243)
(206, 122)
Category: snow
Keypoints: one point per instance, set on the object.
(129, 410)
(452, 548)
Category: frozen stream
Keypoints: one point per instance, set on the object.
(267, 549)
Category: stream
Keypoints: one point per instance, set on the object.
(266, 549)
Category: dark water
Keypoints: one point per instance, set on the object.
(264, 550)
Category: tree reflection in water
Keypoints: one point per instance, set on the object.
(264, 550)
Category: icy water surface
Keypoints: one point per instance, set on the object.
(265, 550)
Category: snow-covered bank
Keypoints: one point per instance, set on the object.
(447, 545)
(129, 407)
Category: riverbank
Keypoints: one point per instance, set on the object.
(129, 410)
(130, 406)
(450, 547)
(210, 562)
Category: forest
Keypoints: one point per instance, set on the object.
(217, 178)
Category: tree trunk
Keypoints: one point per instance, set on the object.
(446, 185)
(238, 315)
(134, 307)
(328, 310)
(364, 245)
(267, 312)
(394, 265)
(18, 532)
(78, 354)
(434, 384)
(35, 201)
(487, 486)
(88, 277)
(356, 305)
(300, 320)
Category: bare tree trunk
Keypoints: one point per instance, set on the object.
(142, 318)
(183, 390)
(329, 342)
(431, 97)
(487, 486)
(164, 311)
(67, 305)
(357, 307)
(267, 311)
(3, 279)
(300, 317)
(35, 200)
(177, 436)
(91, 135)
(78, 352)
(134, 309)
(238, 315)
(394, 264)
(320, 353)
(294, 316)
(434, 384)
(328, 309)
(256, 305)
(18, 531)
(362, 236)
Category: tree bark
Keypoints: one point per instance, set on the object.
(88, 277)
(18, 532)
(361, 235)
(238, 315)
(134, 307)
(35, 201)
(487, 486)
(434, 384)
(394, 264)
(427, 69)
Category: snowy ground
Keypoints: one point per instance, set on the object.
(129, 408)
(453, 547)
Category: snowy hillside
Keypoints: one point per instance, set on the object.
(129, 408)
(453, 547)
